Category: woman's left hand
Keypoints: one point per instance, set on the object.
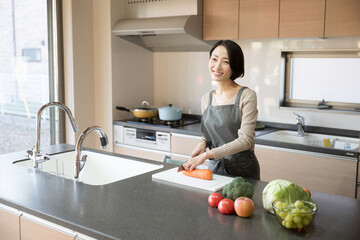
(193, 162)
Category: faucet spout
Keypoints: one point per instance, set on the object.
(300, 122)
(80, 161)
(35, 154)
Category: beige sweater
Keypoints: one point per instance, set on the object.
(249, 113)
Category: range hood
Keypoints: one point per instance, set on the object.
(164, 34)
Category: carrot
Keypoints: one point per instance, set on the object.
(206, 174)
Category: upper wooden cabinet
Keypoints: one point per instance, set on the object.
(259, 19)
(239, 19)
(303, 18)
(342, 18)
(220, 19)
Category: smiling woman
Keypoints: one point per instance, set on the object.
(229, 117)
(28, 72)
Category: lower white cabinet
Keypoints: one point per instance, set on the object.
(315, 171)
(9, 223)
(183, 144)
(34, 228)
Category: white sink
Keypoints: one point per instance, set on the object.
(99, 169)
(311, 139)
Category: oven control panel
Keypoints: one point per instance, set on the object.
(147, 138)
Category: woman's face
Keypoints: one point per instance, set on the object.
(219, 64)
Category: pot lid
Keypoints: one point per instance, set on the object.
(170, 108)
(145, 106)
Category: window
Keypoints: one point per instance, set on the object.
(28, 72)
(321, 79)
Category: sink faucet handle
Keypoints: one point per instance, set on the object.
(301, 118)
(29, 153)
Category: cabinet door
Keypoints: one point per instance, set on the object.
(342, 18)
(9, 223)
(259, 19)
(305, 18)
(220, 19)
(310, 170)
(183, 144)
(33, 228)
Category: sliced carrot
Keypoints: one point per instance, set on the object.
(206, 174)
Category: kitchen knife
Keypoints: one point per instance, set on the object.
(181, 168)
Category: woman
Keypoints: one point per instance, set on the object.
(229, 118)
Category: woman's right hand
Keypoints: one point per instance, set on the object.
(200, 148)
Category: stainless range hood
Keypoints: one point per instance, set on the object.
(164, 34)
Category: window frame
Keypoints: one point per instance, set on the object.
(285, 79)
(56, 70)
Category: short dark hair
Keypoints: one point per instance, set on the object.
(236, 57)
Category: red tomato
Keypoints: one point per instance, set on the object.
(214, 199)
(308, 191)
(226, 206)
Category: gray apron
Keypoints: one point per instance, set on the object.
(220, 125)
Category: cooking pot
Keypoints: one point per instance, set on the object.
(170, 113)
(141, 112)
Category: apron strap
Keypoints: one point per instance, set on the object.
(237, 100)
(210, 97)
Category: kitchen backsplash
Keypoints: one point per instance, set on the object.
(181, 78)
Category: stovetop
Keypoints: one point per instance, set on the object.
(187, 119)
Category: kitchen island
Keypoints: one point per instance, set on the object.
(142, 208)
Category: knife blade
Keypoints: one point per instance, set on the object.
(181, 168)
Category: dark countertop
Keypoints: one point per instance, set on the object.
(194, 130)
(140, 208)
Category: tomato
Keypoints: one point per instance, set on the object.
(226, 206)
(214, 199)
(308, 191)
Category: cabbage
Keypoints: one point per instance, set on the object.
(284, 191)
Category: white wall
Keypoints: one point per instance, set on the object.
(132, 70)
(182, 78)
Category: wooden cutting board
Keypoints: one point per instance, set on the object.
(172, 176)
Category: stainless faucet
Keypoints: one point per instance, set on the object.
(300, 121)
(80, 163)
(35, 153)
